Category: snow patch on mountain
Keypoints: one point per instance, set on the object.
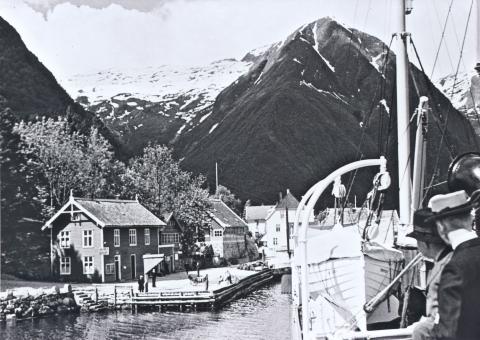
(316, 47)
(155, 83)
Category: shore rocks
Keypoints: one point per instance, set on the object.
(38, 304)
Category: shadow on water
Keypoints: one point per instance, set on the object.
(264, 314)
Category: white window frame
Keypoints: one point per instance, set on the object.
(64, 237)
(87, 234)
(277, 228)
(217, 233)
(169, 238)
(132, 235)
(91, 263)
(146, 236)
(275, 241)
(110, 269)
(116, 237)
(65, 263)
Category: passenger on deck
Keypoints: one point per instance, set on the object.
(459, 288)
(432, 247)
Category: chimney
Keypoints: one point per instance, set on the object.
(117, 196)
(288, 191)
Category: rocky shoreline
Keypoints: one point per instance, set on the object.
(37, 303)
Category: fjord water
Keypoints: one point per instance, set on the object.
(263, 314)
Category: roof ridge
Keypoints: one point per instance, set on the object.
(105, 200)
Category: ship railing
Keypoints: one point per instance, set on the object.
(387, 334)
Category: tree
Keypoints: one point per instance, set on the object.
(224, 194)
(164, 187)
(17, 179)
(68, 161)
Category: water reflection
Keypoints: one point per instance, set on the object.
(264, 314)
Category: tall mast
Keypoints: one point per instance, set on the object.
(216, 178)
(403, 119)
(477, 38)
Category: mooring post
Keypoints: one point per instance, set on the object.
(96, 295)
(115, 296)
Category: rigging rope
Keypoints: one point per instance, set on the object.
(364, 128)
(461, 49)
(441, 38)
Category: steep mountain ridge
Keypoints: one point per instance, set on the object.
(30, 90)
(314, 102)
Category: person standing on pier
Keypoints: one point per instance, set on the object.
(431, 245)
(141, 284)
(459, 288)
(154, 277)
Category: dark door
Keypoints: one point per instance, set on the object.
(117, 267)
(133, 266)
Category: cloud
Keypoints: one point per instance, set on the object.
(47, 6)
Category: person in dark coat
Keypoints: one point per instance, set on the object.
(459, 288)
(141, 284)
(154, 277)
(431, 245)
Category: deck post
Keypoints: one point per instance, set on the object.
(96, 295)
(115, 296)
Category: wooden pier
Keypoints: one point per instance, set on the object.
(203, 299)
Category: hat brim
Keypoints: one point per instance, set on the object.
(427, 237)
(447, 212)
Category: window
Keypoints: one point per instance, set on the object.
(88, 265)
(76, 217)
(116, 237)
(275, 241)
(87, 238)
(64, 239)
(65, 266)
(169, 238)
(132, 237)
(282, 215)
(147, 236)
(217, 233)
(277, 228)
(110, 268)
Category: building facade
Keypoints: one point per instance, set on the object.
(102, 240)
(256, 217)
(170, 244)
(227, 233)
(275, 238)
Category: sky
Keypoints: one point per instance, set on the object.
(81, 36)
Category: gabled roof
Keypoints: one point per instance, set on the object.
(171, 216)
(111, 212)
(224, 216)
(289, 201)
(259, 212)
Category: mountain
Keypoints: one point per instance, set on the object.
(308, 105)
(153, 104)
(29, 89)
(463, 96)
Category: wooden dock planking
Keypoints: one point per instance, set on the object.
(215, 298)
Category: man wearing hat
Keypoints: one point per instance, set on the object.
(431, 245)
(459, 288)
